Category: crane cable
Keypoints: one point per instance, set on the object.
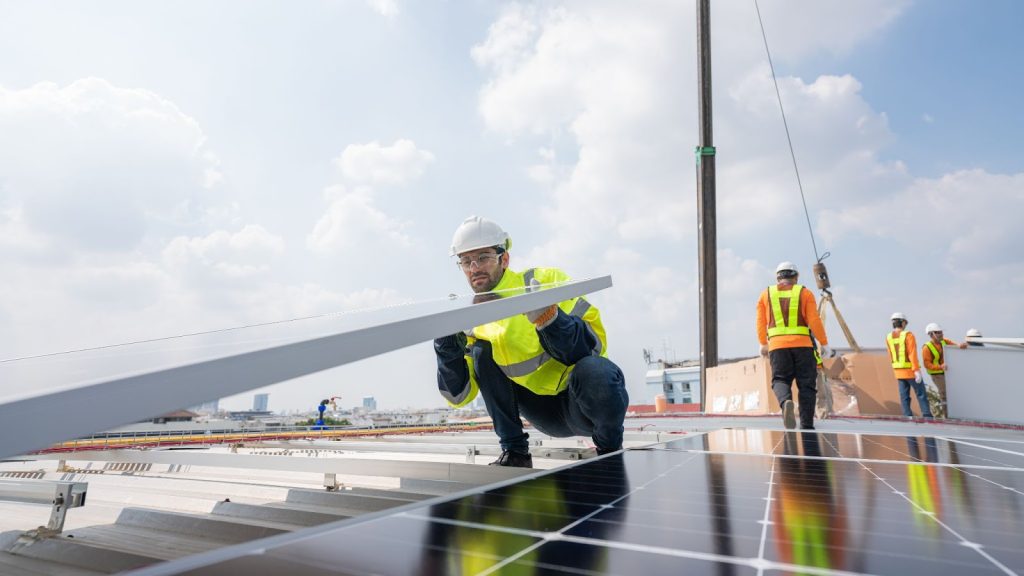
(785, 124)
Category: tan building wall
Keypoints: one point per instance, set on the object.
(861, 384)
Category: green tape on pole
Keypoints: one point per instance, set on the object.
(703, 151)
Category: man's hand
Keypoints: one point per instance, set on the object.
(827, 352)
(962, 345)
(543, 317)
(942, 367)
(454, 345)
(917, 376)
(764, 350)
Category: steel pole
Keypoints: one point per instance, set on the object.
(707, 243)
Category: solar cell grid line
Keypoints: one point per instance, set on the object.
(767, 513)
(976, 454)
(970, 443)
(121, 385)
(977, 547)
(579, 521)
(878, 448)
(999, 441)
(1004, 487)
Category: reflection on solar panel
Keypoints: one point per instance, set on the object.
(730, 502)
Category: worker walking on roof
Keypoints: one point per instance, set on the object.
(787, 315)
(549, 365)
(903, 352)
(935, 360)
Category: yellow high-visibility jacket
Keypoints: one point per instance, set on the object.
(516, 346)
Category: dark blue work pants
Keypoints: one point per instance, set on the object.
(593, 404)
(922, 397)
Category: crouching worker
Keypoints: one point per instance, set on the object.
(549, 366)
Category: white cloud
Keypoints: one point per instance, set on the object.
(352, 221)
(966, 221)
(91, 166)
(509, 40)
(234, 255)
(109, 202)
(386, 8)
(374, 164)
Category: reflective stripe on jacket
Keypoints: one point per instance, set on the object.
(936, 357)
(517, 349)
(788, 319)
(808, 311)
(898, 350)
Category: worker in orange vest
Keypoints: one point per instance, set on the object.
(903, 352)
(787, 315)
(934, 359)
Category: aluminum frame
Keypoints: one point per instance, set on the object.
(448, 471)
(38, 421)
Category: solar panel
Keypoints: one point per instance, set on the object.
(63, 396)
(728, 502)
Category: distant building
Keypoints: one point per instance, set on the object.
(177, 416)
(260, 402)
(678, 381)
(250, 415)
(369, 404)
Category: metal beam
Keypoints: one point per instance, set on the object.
(85, 392)
(468, 473)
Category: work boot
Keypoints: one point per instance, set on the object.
(788, 415)
(514, 459)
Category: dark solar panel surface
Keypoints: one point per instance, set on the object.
(731, 502)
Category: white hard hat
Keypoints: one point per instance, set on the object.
(475, 233)
(899, 316)
(973, 333)
(786, 266)
(933, 327)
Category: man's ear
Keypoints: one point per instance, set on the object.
(504, 259)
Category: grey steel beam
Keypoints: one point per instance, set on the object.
(467, 473)
(84, 392)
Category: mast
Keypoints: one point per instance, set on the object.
(707, 230)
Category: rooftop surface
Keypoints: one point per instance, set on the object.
(688, 495)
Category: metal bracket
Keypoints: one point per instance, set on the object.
(59, 495)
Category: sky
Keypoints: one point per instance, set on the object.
(169, 167)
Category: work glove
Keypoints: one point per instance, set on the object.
(917, 376)
(827, 352)
(764, 350)
(543, 317)
(451, 346)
